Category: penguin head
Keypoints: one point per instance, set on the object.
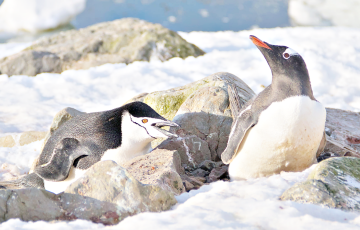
(144, 117)
(282, 59)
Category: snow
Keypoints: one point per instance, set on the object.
(325, 12)
(332, 56)
(37, 15)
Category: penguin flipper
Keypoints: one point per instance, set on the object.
(239, 128)
(62, 159)
(31, 180)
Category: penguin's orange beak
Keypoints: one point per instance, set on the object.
(258, 42)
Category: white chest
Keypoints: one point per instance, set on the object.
(60, 186)
(286, 138)
(135, 141)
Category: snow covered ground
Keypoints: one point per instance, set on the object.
(37, 15)
(332, 55)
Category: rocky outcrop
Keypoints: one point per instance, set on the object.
(107, 181)
(343, 133)
(160, 167)
(203, 114)
(21, 139)
(334, 183)
(120, 41)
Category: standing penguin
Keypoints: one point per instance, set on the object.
(119, 135)
(282, 128)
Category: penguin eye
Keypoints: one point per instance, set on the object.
(286, 55)
(144, 120)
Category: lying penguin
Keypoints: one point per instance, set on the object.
(282, 128)
(119, 135)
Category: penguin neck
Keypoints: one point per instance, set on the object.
(292, 85)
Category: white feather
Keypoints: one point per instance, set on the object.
(286, 138)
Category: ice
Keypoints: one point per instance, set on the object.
(37, 15)
(325, 12)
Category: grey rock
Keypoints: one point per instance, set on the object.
(218, 173)
(34, 204)
(192, 149)
(334, 183)
(191, 182)
(343, 132)
(207, 165)
(120, 41)
(202, 110)
(107, 181)
(160, 167)
(199, 173)
(31, 63)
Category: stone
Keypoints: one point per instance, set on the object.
(199, 173)
(192, 149)
(207, 165)
(21, 139)
(202, 110)
(342, 132)
(121, 41)
(31, 136)
(160, 167)
(218, 173)
(334, 183)
(7, 141)
(107, 181)
(191, 182)
(35, 204)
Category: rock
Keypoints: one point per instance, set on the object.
(107, 181)
(120, 41)
(207, 165)
(334, 183)
(160, 167)
(168, 102)
(34, 204)
(218, 173)
(21, 139)
(202, 110)
(343, 132)
(199, 173)
(192, 149)
(7, 141)
(191, 182)
(31, 136)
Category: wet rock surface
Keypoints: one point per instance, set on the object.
(120, 41)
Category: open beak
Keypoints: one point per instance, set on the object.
(258, 42)
(160, 124)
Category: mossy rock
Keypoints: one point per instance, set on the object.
(168, 102)
(334, 183)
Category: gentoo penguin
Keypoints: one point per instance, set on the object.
(282, 128)
(119, 135)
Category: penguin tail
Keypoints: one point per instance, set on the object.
(31, 180)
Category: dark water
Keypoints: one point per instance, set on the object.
(190, 15)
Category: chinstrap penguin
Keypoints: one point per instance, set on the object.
(282, 128)
(119, 135)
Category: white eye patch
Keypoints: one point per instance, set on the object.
(289, 52)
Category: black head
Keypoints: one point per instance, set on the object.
(144, 116)
(288, 68)
(282, 59)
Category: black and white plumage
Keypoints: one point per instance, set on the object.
(282, 128)
(119, 135)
